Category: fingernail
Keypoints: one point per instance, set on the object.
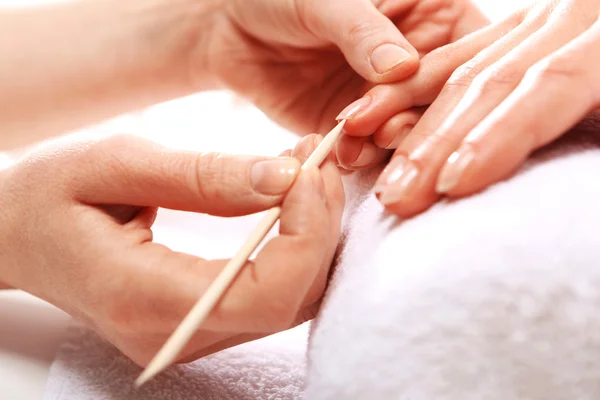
(389, 173)
(274, 177)
(353, 109)
(454, 169)
(303, 147)
(400, 137)
(367, 155)
(388, 56)
(316, 142)
(396, 180)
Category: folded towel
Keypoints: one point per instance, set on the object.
(272, 368)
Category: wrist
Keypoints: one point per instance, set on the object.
(82, 62)
(177, 38)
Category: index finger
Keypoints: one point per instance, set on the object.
(384, 101)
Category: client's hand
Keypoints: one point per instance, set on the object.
(303, 61)
(512, 88)
(76, 231)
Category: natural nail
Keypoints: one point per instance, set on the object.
(454, 169)
(353, 109)
(389, 173)
(274, 177)
(400, 137)
(387, 57)
(368, 154)
(396, 180)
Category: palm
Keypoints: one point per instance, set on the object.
(304, 86)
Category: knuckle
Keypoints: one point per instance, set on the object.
(279, 314)
(113, 151)
(117, 317)
(493, 78)
(464, 75)
(116, 146)
(432, 145)
(205, 174)
(359, 31)
(550, 70)
(519, 16)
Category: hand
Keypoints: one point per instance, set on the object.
(302, 61)
(76, 231)
(512, 88)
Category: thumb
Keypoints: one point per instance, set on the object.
(141, 173)
(371, 43)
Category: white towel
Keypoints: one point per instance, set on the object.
(272, 368)
(493, 297)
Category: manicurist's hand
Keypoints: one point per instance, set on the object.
(304, 61)
(76, 231)
(300, 61)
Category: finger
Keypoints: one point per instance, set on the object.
(397, 128)
(382, 102)
(334, 191)
(407, 185)
(307, 145)
(268, 294)
(371, 43)
(265, 297)
(535, 114)
(137, 172)
(466, 15)
(335, 202)
(365, 152)
(332, 180)
(359, 152)
(486, 91)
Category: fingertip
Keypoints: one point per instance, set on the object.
(454, 169)
(354, 108)
(410, 206)
(391, 133)
(306, 146)
(467, 174)
(385, 101)
(348, 149)
(392, 62)
(357, 153)
(273, 177)
(410, 209)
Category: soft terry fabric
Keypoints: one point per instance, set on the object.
(268, 369)
(494, 297)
